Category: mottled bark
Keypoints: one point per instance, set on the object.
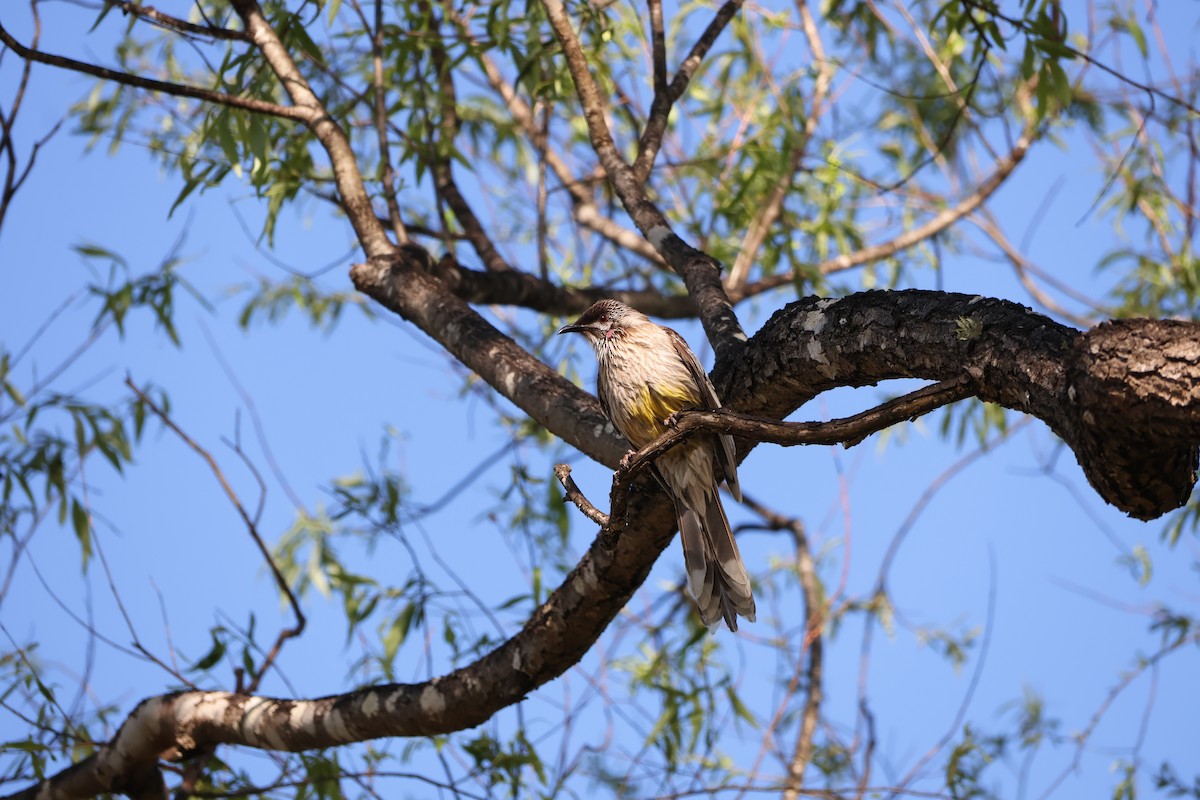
(554, 639)
(1125, 396)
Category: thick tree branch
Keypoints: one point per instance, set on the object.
(404, 285)
(1125, 396)
(555, 637)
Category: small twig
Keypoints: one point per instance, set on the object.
(381, 129)
(573, 495)
(286, 633)
(816, 613)
(847, 431)
(177, 25)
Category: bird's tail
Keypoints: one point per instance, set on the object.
(717, 578)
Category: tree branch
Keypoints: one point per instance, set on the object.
(939, 222)
(848, 431)
(1125, 396)
(380, 118)
(520, 288)
(137, 81)
(700, 272)
(251, 528)
(182, 26)
(583, 203)
(555, 637)
(757, 233)
(666, 95)
(354, 198)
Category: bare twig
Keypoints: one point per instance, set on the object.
(847, 431)
(181, 26)
(666, 94)
(574, 495)
(251, 528)
(1127, 678)
(815, 611)
(381, 126)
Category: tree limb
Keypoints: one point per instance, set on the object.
(700, 272)
(666, 94)
(181, 26)
(137, 81)
(1125, 396)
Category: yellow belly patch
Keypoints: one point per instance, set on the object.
(652, 406)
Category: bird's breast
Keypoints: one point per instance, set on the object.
(640, 391)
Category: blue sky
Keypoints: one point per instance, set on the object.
(1067, 618)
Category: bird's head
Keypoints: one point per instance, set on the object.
(605, 319)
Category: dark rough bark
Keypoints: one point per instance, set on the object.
(403, 285)
(1136, 386)
(1124, 396)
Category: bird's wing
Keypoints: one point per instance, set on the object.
(725, 449)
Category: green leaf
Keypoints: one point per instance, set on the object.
(1139, 36)
(739, 708)
(214, 655)
(14, 393)
(1055, 48)
(398, 631)
(83, 529)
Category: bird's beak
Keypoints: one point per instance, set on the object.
(572, 328)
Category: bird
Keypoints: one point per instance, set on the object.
(646, 373)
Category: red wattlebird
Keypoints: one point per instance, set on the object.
(647, 373)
